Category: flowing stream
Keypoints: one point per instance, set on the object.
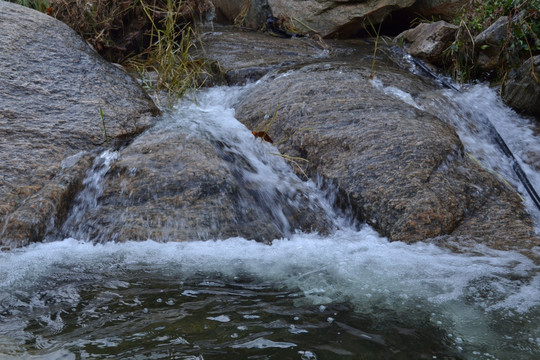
(348, 295)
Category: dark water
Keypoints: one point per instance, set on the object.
(220, 319)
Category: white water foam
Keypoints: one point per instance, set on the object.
(463, 294)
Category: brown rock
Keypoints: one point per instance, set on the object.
(339, 19)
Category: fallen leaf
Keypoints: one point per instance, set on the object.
(263, 135)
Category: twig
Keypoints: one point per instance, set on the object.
(103, 124)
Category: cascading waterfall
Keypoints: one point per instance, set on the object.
(518, 135)
(341, 296)
(257, 164)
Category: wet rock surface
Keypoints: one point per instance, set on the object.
(399, 168)
(246, 56)
(53, 85)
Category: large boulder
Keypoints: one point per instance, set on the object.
(522, 90)
(54, 87)
(399, 168)
(336, 18)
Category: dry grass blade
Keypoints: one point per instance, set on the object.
(295, 161)
(240, 19)
(376, 35)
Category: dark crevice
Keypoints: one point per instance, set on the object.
(393, 24)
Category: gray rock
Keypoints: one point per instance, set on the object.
(53, 85)
(522, 90)
(399, 168)
(489, 44)
(247, 56)
(428, 40)
(336, 18)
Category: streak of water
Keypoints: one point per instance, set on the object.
(88, 197)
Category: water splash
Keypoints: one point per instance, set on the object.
(61, 290)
